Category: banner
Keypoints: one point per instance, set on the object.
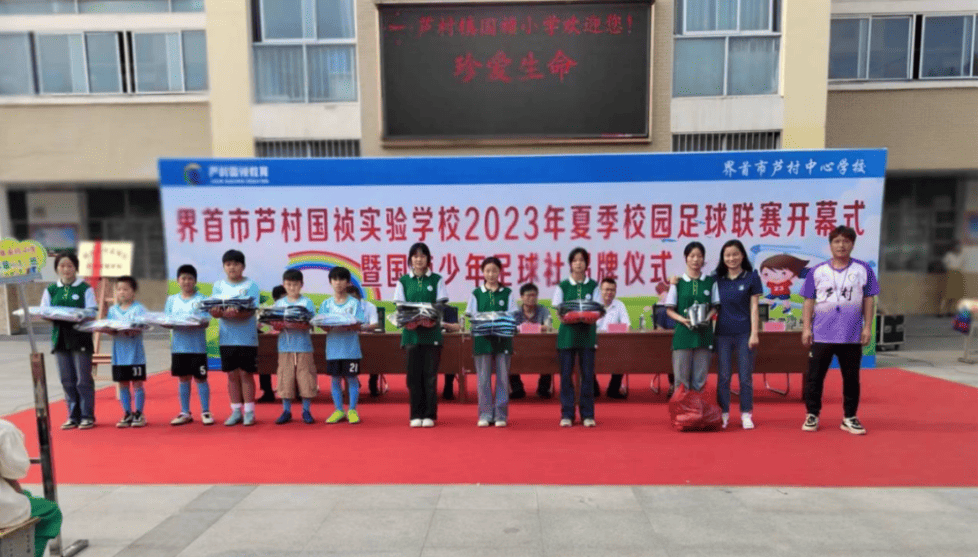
(634, 213)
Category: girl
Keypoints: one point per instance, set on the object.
(576, 341)
(73, 349)
(740, 291)
(423, 344)
(490, 350)
(691, 348)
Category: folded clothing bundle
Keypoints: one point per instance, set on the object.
(493, 323)
(291, 317)
(327, 320)
(412, 315)
(58, 313)
(241, 303)
(174, 321)
(111, 326)
(580, 311)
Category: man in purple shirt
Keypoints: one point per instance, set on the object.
(838, 320)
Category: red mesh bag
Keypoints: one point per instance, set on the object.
(693, 411)
(588, 317)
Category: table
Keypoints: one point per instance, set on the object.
(636, 352)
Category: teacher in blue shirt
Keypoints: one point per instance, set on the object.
(736, 329)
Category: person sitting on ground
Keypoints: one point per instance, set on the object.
(17, 504)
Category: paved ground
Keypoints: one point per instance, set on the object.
(516, 521)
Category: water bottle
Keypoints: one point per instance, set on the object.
(641, 322)
(548, 322)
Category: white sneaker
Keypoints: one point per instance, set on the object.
(482, 423)
(566, 422)
(206, 418)
(589, 422)
(746, 420)
(416, 423)
(427, 422)
(500, 423)
(726, 419)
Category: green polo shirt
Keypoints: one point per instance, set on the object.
(691, 291)
(421, 289)
(64, 336)
(578, 335)
(500, 299)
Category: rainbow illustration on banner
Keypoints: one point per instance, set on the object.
(324, 260)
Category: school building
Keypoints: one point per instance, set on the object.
(92, 93)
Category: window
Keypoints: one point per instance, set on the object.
(903, 47)
(30, 7)
(117, 62)
(870, 48)
(919, 216)
(305, 51)
(307, 148)
(737, 141)
(726, 47)
(16, 71)
(948, 47)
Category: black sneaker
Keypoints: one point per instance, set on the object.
(516, 395)
(126, 421)
(69, 424)
(853, 426)
(86, 423)
(811, 423)
(449, 395)
(138, 420)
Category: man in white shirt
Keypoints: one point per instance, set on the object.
(615, 312)
(16, 504)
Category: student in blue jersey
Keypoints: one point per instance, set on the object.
(577, 341)
(492, 353)
(296, 368)
(238, 338)
(423, 344)
(343, 346)
(739, 289)
(188, 348)
(128, 356)
(72, 348)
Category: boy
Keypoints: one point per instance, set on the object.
(128, 356)
(265, 379)
(615, 312)
(295, 364)
(189, 348)
(838, 321)
(343, 346)
(371, 321)
(238, 338)
(532, 312)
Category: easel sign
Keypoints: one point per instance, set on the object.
(100, 261)
(21, 262)
(104, 259)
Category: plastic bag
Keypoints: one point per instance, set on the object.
(693, 411)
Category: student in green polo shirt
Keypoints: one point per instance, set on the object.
(72, 348)
(492, 351)
(576, 341)
(692, 348)
(423, 344)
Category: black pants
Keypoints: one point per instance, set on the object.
(265, 382)
(614, 386)
(820, 358)
(422, 379)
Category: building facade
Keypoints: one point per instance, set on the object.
(94, 92)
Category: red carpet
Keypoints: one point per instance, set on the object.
(922, 432)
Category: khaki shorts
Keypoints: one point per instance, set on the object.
(296, 368)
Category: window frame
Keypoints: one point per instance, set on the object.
(135, 63)
(119, 58)
(77, 10)
(971, 53)
(40, 65)
(737, 30)
(33, 84)
(911, 37)
(305, 43)
(774, 9)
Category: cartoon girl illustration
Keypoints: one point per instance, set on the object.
(777, 273)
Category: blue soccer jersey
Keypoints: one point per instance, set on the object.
(127, 350)
(238, 332)
(343, 345)
(295, 340)
(186, 341)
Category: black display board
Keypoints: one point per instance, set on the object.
(516, 71)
